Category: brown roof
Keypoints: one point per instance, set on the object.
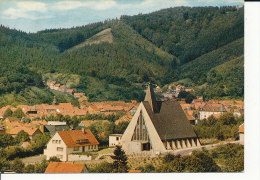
(241, 129)
(70, 137)
(63, 167)
(213, 108)
(29, 130)
(12, 119)
(170, 121)
(189, 115)
(168, 118)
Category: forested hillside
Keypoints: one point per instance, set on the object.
(111, 60)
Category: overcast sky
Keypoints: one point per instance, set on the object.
(35, 15)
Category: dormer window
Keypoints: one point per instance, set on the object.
(82, 141)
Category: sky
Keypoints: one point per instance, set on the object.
(34, 15)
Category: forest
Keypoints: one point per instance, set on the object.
(200, 46)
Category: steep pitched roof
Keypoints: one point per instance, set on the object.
(63, 167)
(170, 122)
(70, 137)
(168, 117)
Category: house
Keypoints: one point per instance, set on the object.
(210, 109)
(56, 123)
(25, 144)
(11, 119)
(62, 89)
(241, 134)
(64, 143)
(65, 167)
(30, 130)
(125, 118)
(158, 127)
(114, 139)
(57, 86)
(70, 91)
(189, 115)
(78, 95)
(132, 110)
(51, 84)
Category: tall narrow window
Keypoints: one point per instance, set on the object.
(140, 132)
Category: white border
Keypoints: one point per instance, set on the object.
(252, 118)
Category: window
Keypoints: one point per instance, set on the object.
(117, 138)
(82, 141)
(59, 148)
(59, 141)
(56, 142)
(53, 141)
(76, 149)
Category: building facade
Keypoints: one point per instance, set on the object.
(64, 143)
(158, 127)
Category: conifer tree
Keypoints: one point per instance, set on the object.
(120, 160)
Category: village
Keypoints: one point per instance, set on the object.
(76, 139)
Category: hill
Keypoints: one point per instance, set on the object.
(111, 60)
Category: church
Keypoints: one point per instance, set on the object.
(158, 127)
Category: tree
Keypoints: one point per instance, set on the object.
(17, 166)
(227, 119)
(6, 140)
(30, 168)
(41, 167)
(121, 127)
(212, 120)
(54, 159)
(18, 113)
(4, 164)
(8, 113)
(120, 160)
(189, 98)
(22, 136)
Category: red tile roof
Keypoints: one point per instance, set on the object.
(70, 137)
(134, 171)
(29, 130)
(63, 167)
(241, 129)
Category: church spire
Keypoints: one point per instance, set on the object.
(150, 97)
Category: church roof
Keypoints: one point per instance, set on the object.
(168, 117)
(170, 121)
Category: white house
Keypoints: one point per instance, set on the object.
(114, 139)
(211, 109)
(158, 127)
(64, 143)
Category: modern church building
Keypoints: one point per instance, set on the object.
(158, 127)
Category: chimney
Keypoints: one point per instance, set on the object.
(83, 131)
